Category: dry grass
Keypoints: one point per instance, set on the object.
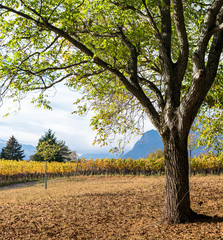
(106, 208)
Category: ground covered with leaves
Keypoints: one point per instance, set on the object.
(106, 208)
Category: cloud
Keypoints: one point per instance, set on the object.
(28, 124)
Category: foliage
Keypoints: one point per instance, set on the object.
(12, 150)
(95, 47)
(209, 128)
(12, 171)
(48, 145)
(47, 150)
(208, 124)
(207, 163)
(158, 153)
(23, 170)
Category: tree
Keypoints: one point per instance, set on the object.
(73, 156)
(47, 150)
(129, 59)
(61, 155)
(158, 153)
(3, 153)
(12, 150)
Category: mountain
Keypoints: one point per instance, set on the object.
(28, 149)
(149, 142)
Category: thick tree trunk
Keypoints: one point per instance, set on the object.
(177, 196)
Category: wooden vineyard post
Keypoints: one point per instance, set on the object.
(47, 150)
(45, 174)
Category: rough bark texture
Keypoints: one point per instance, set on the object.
(177, 197)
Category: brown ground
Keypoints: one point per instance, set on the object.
(106, 208)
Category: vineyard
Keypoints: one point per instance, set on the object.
(15, 171)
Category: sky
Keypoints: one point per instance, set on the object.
(29, 123)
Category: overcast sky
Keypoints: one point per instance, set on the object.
(28, 124)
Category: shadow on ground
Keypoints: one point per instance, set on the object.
(208, 219)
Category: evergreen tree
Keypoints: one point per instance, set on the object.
(63, 153)
(12, 150)
(3, 155)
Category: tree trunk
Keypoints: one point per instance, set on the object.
(177, 196)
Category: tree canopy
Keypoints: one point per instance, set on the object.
(50, 149)
(12, 150)
(108, 50)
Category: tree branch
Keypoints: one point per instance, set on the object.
(52, 84)
(4, 87)
(166, 30)
(155, 67)
(154, 88)
(206, 33)
(19, 13)
(133, 58)
(150, 19)
(54, 10)
(32, 10)
(51, 44)
(217, 29)
(214, 54)
(137, 92)
(86, 31)
(204, 77)
(52, 68)
(182, 37)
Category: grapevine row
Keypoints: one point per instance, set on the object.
(14, 171)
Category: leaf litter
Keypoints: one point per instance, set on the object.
(100, 207)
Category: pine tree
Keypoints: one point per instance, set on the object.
(12, 150)
(3, 154)
(63, 153)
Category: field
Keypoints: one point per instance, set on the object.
(22, 171)
(103, 207)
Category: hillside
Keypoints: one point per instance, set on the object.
(149, 142)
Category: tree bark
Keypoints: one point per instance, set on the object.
(177, 198)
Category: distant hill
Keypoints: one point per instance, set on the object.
(149, 142)
(28, 149)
